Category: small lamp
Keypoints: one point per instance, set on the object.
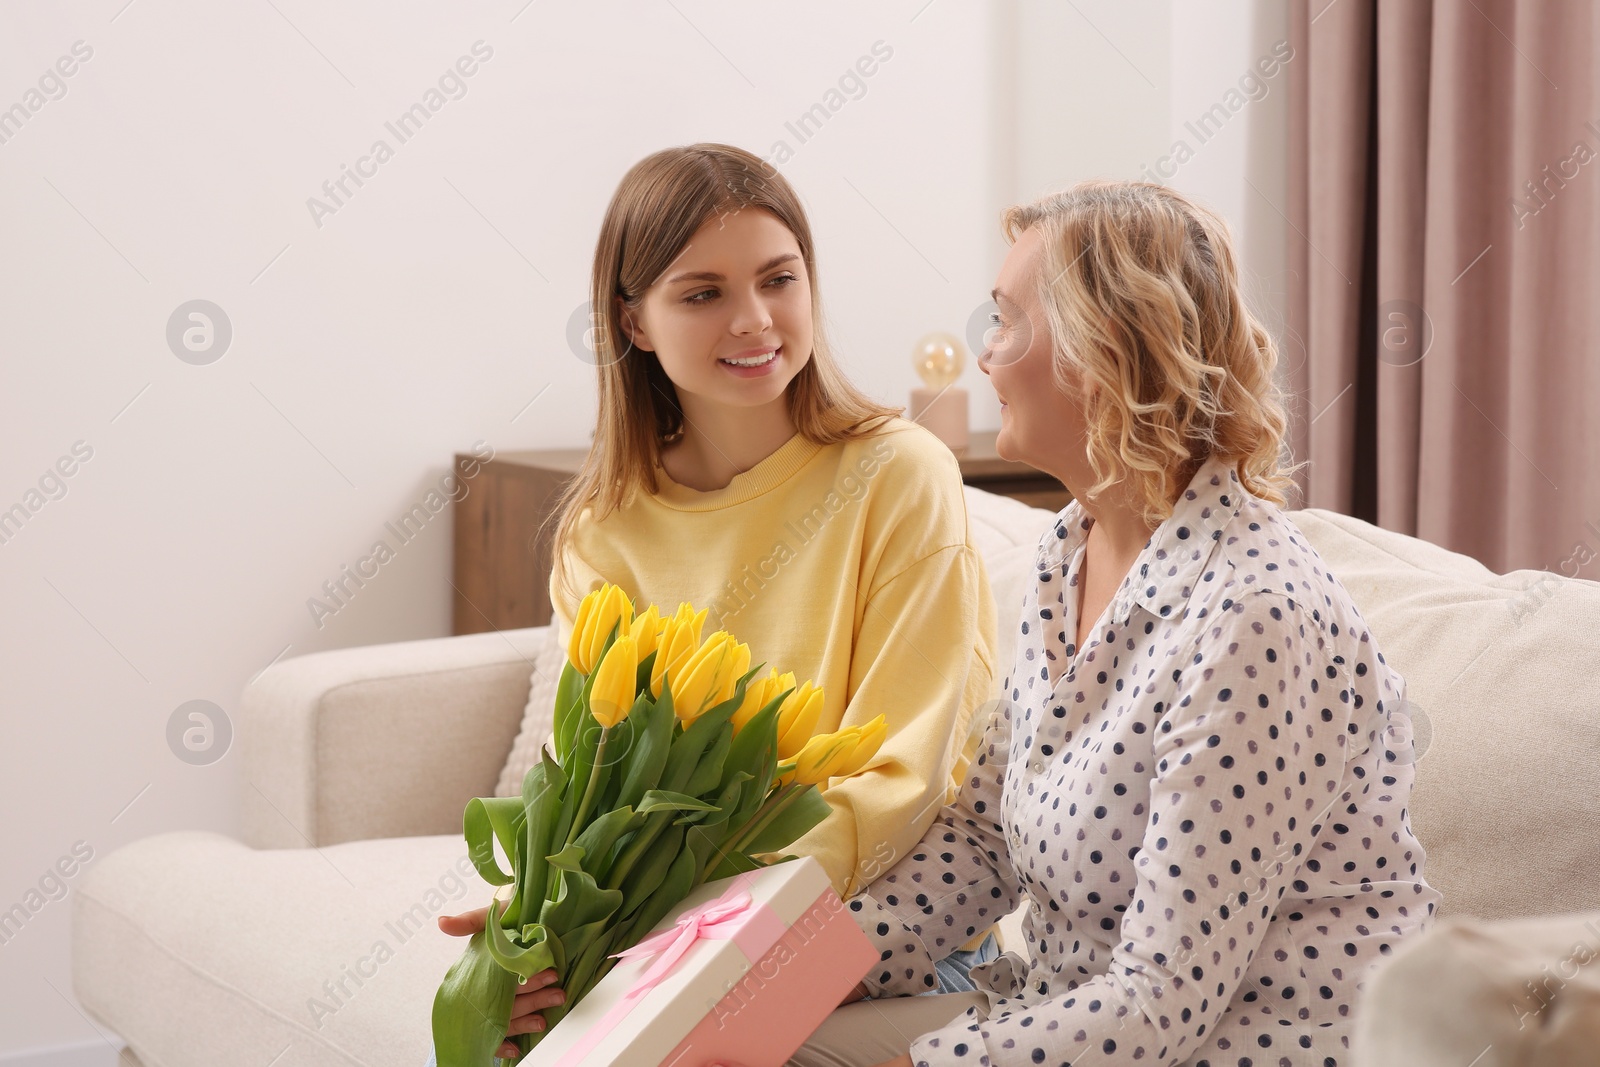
(940, 405)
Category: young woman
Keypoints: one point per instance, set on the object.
(1191, 789)
(734, 468)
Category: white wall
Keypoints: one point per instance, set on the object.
(429, 310)
(1239, 165)
(1109, 90)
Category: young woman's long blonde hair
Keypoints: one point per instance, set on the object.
(1140, 291)
(656, 209)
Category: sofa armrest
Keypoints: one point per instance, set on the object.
(380, 741)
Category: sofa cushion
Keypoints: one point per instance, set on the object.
(1471, 993)
(327, 955)
(538, 715)
(1501, 674)
(1006, 534)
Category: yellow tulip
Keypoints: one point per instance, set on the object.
(646, 631)
(709, 677)
(759, 693)
(680, 637)
(820, 753)
(611, 696)
(838, 754)
(575, 643)
(599, 612)
(797, 718)
(867, 745)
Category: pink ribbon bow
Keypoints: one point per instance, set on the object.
(722, 919)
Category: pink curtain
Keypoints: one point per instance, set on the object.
(1444, 309)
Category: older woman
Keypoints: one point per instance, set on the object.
(1193, 786)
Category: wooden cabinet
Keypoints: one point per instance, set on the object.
(502, 556)
(980, 467)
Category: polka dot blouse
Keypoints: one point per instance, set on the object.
(1203, 810)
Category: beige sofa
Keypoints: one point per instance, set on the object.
(313, 941)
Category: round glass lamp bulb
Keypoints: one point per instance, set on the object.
(939, 359)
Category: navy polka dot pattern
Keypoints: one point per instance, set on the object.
(1203, 810)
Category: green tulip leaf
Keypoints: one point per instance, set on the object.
(472, 1007)
(582, 730)
(647, 667)
(676, 884)
(600, 837)
(569, 688)
(521, 960)
(591, 965)
(755, 740)
(805, 811)
(755, 754)
(726, 801)
(706, 847)
(568, 859)
(579, 902)
(664, 800)
(729, 864)
(652, 869)
(665, 701)
(652, 741)
(620, 751)
(707, 776)
(689, 746)
(542, 792)
(619, 741)
(581, 764)
(576, 942)
(485, 820)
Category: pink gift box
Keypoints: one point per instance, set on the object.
(765, 957)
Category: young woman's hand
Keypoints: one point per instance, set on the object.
(534, 995)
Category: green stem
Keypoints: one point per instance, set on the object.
(588, 790)
(599, 973)
(764, 816)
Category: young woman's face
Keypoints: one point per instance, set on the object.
(730, 320)
(1040, 423)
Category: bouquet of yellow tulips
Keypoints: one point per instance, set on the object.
(673, 764)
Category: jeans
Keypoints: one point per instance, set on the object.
(952, 970)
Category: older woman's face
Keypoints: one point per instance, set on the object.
(1040, 423)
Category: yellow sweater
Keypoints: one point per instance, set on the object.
(852, 565)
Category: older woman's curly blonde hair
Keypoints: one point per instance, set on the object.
(1140, 291)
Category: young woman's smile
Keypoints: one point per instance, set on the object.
(754, 362)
